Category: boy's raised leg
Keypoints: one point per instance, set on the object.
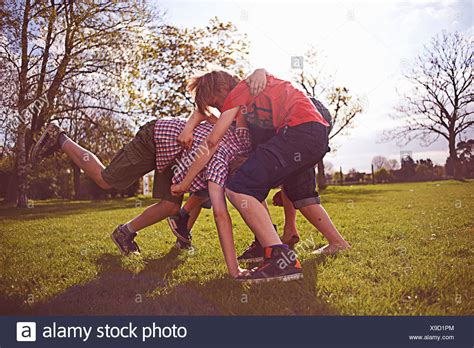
(87, 161)
(54, 138)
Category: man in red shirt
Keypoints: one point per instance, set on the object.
(288, 158)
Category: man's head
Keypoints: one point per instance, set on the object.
(211, 89)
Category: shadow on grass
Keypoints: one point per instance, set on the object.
(58, 208)
(118, 291)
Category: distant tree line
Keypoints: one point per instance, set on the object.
(408, 170)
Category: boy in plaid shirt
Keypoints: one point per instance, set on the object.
(211, 180)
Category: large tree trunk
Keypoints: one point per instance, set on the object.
(21, 150)
(321, 177)
(22, 168)
(12, 189)
(76, 171)
(457, 170)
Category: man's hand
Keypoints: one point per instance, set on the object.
(178, 189)
(257, 81)
(185, 139)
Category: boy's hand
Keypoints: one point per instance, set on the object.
(185, 139)
(257, 81)
(178, 189)
(240, 272)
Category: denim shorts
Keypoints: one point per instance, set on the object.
(287, 159)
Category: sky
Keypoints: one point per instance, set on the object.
(365, 46)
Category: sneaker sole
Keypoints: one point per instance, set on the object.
(123, 252)
(34, 151)
(36, 148)
(285, 278)
(253, 260)
(178, 247)
(174, 229)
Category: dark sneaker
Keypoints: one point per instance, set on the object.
(182, 245)
(280, 263)
(47, 144)
(125, 242)
(179, 226)
(254, 253)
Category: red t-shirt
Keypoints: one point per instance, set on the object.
(278, 105)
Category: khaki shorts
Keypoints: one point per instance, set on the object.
(136, 159)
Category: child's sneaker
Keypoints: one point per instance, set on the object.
(182, 245)
(254, 253)
(125, 242)
(47, 144)
(179, 226)
(280, 263)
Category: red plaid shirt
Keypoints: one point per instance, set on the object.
(235, 142)
(170, 153)
(166, 134)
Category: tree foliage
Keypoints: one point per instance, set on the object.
(344, 107)
(98, 68)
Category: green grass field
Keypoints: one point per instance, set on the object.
(412, 255)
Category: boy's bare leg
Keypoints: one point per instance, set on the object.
(160, 211)
(193, 215)
(153, 214)
(290, 231)
(193, 202)
(256, 217)
(316, 214)
(87, 161)
(182, 222)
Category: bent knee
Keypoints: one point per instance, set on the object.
(103, 184)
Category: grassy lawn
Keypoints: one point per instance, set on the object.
(412, 255)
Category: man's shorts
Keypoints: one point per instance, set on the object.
(136, 159)
(287, 159)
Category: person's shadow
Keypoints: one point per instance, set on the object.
(118, 291)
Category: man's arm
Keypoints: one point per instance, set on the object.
(206, 150)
